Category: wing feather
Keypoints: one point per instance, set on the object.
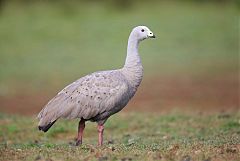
(88, 97)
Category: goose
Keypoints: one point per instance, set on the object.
(97, 96)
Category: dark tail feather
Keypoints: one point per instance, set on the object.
(45, 128)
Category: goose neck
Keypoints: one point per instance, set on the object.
(132, 58)
(133, 69)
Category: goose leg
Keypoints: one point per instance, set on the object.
(100, 134)
(81, 127)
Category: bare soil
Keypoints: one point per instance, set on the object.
(159, 94)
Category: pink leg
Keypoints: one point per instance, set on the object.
(100, 134)
(81, 127)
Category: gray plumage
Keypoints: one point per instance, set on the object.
(94, 97)
(99, 95)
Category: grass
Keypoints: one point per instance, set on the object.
(47, 45)
(128, 136)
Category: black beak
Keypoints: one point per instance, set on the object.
(153, 36)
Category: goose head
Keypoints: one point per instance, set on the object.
(142, 33)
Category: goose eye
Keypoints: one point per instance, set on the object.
(142, 30)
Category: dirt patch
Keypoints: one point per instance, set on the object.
(159, 94)
(218, 94)
(24, 104)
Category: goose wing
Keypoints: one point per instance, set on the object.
(87, 97)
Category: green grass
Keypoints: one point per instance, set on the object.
(127, 136)
(47, 45)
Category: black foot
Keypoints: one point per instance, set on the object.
(79, 142)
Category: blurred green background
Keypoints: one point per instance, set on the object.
(45, 45)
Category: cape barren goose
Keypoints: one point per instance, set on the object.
(99, 95)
